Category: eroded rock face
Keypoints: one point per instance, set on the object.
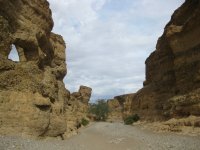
(172, 82)
(28, 25)
(115, 110)
(32, 93)
(125, 101)
(120, 106)
(77, 109)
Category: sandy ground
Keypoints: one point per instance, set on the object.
(107, 136)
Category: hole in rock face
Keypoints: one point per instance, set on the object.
(43, 107)
(78, 125)
(14, 56)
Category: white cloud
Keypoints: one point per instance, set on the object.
(109, 40)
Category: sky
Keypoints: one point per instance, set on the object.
(108, 41)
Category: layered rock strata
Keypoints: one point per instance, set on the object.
(172, 81)
(33, 98)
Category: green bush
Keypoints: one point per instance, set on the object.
(100, 110)
(131, 119)
(84, 122)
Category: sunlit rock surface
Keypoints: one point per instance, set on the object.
(33, 98)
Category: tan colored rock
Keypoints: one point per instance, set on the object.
(21, 112)
(77, 109)
(85, 93)
(172, 82)
(26, 25)
(125, 101)
(32, 93)
(173, 29)
(120, 107)
(183, 105)
(115, 110)
(186, 125)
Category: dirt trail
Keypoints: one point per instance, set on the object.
(107, 136)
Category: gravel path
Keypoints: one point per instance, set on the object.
(107, 136)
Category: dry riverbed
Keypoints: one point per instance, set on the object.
(107, 136)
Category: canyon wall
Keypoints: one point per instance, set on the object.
(172, 86)
(115, 110)
(33, 98)
(77, 109)
(125, 101)
(120, 107)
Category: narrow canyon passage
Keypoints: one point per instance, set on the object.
(107, 136)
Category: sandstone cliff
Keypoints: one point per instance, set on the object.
(115, 110)
(172, 86)
(33, 98)
(120, 106)
(77, 109)
(125, 101)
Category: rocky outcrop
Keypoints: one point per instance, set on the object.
(33, 98)
(172, 81)
(120, 107)
(77, 109)
(125, 102)
(115, 110)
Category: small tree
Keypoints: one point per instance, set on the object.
(84, 122)
(100, 110)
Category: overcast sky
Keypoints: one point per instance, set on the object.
(108, 41)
